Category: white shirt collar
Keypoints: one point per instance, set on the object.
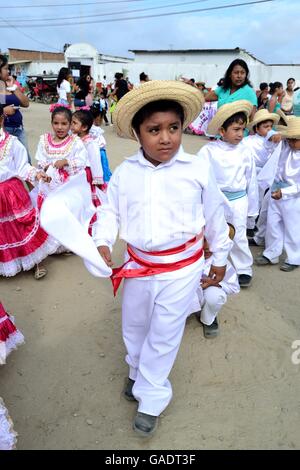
(180, 155)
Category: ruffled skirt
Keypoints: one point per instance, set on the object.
(23, 243)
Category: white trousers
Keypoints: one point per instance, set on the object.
(154, 313)
(209, 301)
(240, 254)
(283, 230)
(262, 220)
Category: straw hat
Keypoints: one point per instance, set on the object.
(225, 112)
(190, 98)
(263, 115)
(231, 231)
(283, 117)
(292, 130)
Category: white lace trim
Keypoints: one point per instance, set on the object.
(8, 437)
(6, 347)
(29, 236)
(18, 215)
(28, 262)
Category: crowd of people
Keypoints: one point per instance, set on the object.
(246, 179)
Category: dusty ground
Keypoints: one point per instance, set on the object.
(63, 387)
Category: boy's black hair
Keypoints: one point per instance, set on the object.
(95, 110)
(262, 122)
(62, 110)
(235, 118)
(85, 117)
(156, 107)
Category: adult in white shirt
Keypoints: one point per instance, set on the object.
(63, 87)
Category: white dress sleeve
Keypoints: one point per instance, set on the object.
(41, 156)
(78, 159)
(23, 169)
(95, 162)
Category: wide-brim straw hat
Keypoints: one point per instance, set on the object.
(225, 112)
(283, 117)
(261, 116)
(292, 130)
(190, 99)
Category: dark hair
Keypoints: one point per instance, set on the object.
(192, 80)
(227, 79)
(273, 86)
(62, 75)
(221, 82)
(262, 122)
(290, 79)
(1, 110)
(95, 110)
(235, 118)
(263, 86)
(62, 110)
(3, 61)
(156, 107)
(85, 117)
(118, 75)
(143, 76)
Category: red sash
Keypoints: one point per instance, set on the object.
(150, 268)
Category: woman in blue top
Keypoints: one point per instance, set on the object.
(12, 98)
(236, 86)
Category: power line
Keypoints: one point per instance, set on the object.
(57, 5)
(109, 14)
(113, 20)
(28, 36)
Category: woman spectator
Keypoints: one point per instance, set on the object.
(288, 97)
(276, 92)
(236, 86)
(12, 98)
(121, 86)
(89, 99)
(63, 87)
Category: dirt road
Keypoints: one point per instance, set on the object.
(63, 387)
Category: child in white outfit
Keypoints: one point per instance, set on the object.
(210, 299)
(235, 173)
(161, 201)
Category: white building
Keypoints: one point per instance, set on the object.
(83, 58)
(207, 65)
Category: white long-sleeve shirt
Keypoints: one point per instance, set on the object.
(234, 169)
(14, 161)
(288, 171)
(259, 149)
(155, 208)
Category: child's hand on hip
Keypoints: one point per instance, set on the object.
(277, 194)
(216, 274)
(106, 255)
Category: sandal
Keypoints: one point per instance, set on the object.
(39, 272)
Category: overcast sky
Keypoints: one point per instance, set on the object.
(269, 30)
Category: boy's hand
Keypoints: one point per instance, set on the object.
(216, 275)
(277, 194)
(106, 255)
(276, 138)
(60, 163)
